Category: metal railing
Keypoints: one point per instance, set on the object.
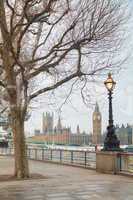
(85, 159)
(126, 162)
(6, 151)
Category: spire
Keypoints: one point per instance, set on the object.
(96, 107)
(78, 129)
(59, 125)
(43, 116)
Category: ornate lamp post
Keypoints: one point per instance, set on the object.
(111, 142)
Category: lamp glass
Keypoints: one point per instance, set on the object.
(110, 83)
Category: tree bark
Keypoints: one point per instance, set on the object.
(16, 110)
(20, 152)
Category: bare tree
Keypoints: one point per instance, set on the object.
(54, 41)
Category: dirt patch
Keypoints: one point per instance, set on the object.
(13, 178)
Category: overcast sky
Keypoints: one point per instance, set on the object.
(75, 112)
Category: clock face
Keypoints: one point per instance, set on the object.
(98, 117)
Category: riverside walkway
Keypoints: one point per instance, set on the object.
(63, 183)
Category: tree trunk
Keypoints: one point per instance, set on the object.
(16, 109)
(20, 151)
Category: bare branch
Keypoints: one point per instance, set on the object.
(59, 83)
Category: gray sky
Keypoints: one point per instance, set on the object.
(75, 112)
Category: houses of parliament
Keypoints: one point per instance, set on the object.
(63, 135)
(48, 125)
(59, 134)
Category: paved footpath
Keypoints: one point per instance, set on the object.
(64, 183)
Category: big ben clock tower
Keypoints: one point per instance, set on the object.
(97, 121)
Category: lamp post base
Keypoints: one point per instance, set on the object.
(111, 142)
(107, 162)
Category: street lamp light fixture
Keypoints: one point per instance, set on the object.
(110, 83)
(111, 142)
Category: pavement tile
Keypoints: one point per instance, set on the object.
(58, 195)
(64, 183)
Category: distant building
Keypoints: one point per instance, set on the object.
(97, 125)
(60, 134)
(79, 139)
(37, 132)
(64, 138)
(59, 127)
(47, 123)
(78, 129)
(125, 134)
